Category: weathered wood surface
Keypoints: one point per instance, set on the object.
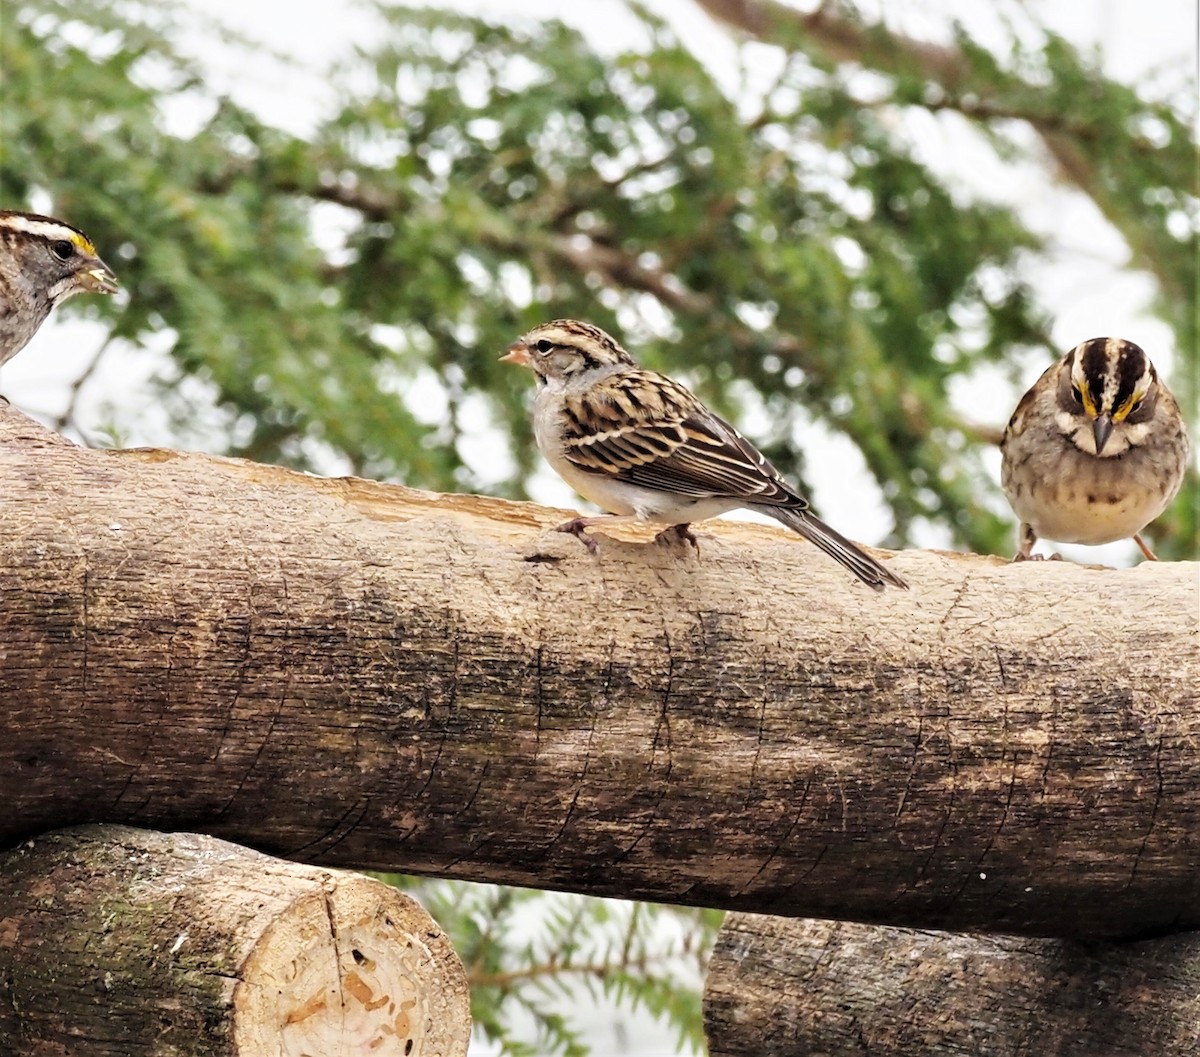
(351, 673)
(117, 942)
(778, 987)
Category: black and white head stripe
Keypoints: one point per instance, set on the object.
(47, 228)
(1112, 371)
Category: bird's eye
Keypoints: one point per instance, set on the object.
(62, 249)
(1076, 395)
(544, 346)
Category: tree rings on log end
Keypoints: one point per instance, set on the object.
(352, 970)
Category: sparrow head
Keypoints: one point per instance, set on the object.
(51, 259)
(566, 349)
(1106, 395)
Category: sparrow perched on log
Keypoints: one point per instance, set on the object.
(43, 262)
(1096, 450)
(643, 447)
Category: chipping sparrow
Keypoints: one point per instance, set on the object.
(642, 446)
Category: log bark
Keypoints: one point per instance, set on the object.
(783, 988)
(357, 674)
(116, 942)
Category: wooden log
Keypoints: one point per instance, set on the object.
(116, 942)
(781, 987)
(358, 674)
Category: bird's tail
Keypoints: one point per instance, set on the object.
(840, 549)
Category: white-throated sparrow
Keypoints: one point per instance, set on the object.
(1095, 450)
(643, 447)
(43, 261)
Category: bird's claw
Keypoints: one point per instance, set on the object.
(577, 527)
(678, 534)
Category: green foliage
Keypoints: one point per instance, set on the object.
(787, 251)
(530, 956)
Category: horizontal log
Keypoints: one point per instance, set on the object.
(117, 942)
(780, 987)
(359, 674)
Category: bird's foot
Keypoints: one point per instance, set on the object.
(1144, 547)
(577, 527)
(678, 534)
(1020, 556)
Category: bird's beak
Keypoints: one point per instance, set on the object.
(99, 279)
(1102, 427)
(518, 353)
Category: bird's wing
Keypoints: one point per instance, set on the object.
(647, 430)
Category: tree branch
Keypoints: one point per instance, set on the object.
(1072, 142)
(841, 39)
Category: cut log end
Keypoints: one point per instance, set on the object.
(345, 971)
(152, 943)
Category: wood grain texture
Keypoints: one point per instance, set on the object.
(116, 942)
(780, 987)
(358, 674)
